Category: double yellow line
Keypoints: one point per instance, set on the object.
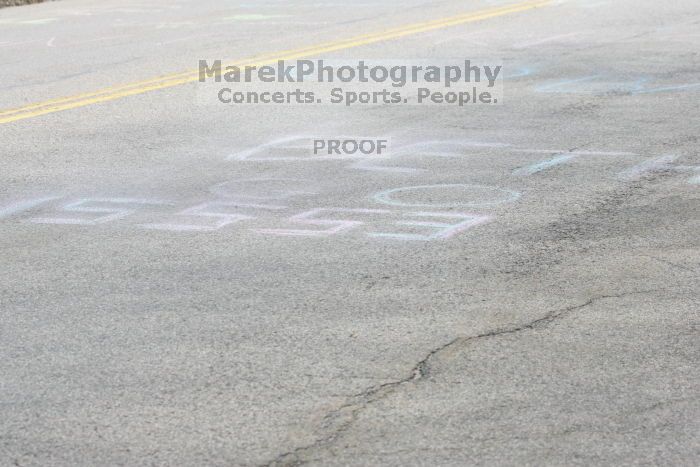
(167, 81)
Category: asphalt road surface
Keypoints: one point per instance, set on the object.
(183, 283)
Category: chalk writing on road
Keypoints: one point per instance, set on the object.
(401, 222)
(286, 207)
(299, 148)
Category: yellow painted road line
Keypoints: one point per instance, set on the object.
(167, 81)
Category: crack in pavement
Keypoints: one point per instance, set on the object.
(339, 420)
(671, 263)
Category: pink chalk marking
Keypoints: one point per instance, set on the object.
(444, 230)
(110, 213)
(304, 142)
(237, 188)
(21, 206)
(208, 210)
(335, 226)
(436, 148)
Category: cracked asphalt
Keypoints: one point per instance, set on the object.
(186, 284)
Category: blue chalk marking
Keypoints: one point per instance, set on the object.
(505, 196)
(669, 88)
(544, 165)
(634, 87)
(423, 238)
(565, 86)
(638, 86)
(658, 164)
(690, 168)
(524, 71)
(552, 87)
